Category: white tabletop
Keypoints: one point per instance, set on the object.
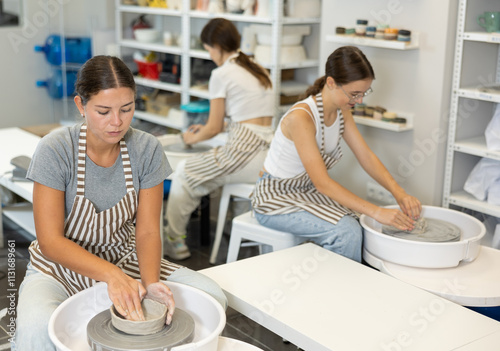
(474, 284)
(322, 301)
(16, 142)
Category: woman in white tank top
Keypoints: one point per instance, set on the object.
(296, 193)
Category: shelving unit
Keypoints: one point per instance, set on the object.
(378, 43)
(189, 22)
(383, 44)
(395, 127)
(477, 66)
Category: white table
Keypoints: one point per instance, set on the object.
(16, 142)
(322, 301)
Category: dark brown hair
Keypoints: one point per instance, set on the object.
(101, 73)
(222, 32)
(345, 65)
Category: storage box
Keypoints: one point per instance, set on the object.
(161, 103)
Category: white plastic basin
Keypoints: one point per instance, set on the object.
(175, 157)
(68, 324)
(426, 254)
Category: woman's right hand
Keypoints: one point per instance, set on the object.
(395, 218)
(126, 294)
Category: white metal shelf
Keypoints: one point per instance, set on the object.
(394, 127)
(158, 47)
(175, 118)
(482, 37)
(253, 19)
(201, 93)
(464, 199)
(476, 146)
(190, 19)
(146, 10)
(176, 88)
(372, 42)
(478, 94)
(309, 63)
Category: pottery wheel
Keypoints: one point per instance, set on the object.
(181, 148)
(436, 230)
(101, 335)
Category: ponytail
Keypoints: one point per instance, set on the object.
(315, 88)
(223, 33)
(255, 69)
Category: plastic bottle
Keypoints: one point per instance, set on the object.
(78, 50)
(55, 84)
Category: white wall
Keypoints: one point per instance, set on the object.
(22, 102)
(414, 81)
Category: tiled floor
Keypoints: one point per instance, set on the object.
(237, 326)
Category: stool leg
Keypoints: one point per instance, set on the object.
(221, 220)
(234, 246)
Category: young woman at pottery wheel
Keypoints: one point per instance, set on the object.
(295, 193)
(241, 90)
(92, 182)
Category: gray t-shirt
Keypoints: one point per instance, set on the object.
(54, 165)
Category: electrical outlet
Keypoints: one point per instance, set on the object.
(379, 194)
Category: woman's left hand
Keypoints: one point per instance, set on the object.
(161, 293)
(410, 206)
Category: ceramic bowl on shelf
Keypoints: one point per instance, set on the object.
(286, 39)
(147, 35)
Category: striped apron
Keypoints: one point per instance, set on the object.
(109, 234)
(281, 196)
(242, 145)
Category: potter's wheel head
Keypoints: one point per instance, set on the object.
(102, 335)
(181, 148)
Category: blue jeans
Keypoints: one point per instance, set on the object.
(344, 238)
(40, 295)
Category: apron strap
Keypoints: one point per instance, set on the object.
(82, 154)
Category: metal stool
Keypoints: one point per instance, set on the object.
(245, 226)
(242, 190)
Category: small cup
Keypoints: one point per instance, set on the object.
(489, 21)
(167, 38)
(390, 34)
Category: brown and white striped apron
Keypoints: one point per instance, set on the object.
(281, 196)
(242, 145)
(109, 234)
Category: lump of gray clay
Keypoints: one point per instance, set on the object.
(155, 314)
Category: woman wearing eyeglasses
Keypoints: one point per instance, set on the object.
(295, 194)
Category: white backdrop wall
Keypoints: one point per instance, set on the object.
(413, 81)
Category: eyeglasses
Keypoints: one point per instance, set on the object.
(353, 98)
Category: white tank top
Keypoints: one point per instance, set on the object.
(283, 160)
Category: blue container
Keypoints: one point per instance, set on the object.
(77, 50)
(55, 83)
(197, 112)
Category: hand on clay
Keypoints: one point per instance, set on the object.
(161, 293)
(395, 218)
(126, 294)
(410, 205)
(189, 135)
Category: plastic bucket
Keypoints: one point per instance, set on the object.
(68, 323)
